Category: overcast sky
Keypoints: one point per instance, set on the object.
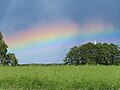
(19, 15)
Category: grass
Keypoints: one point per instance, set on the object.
(60, 78)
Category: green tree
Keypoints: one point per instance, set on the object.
(12, 59)
(3, 45)
(105, 54)
(5, 58)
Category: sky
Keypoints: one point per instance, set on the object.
(43, 31)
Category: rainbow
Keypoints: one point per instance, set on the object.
(41, 36)
(46, 40)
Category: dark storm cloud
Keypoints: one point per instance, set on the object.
(85, 10)
(20, 14)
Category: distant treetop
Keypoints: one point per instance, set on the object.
(94, 53)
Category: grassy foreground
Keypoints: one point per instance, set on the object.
(60, 78)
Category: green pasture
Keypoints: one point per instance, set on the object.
(60, 77)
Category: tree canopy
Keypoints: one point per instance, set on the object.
(103, 54)
(6, 58)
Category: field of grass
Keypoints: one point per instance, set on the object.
(60, 77)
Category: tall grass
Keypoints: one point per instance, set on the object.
(60, 78)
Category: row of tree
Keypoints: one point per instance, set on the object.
(6, 58)
(103, 54)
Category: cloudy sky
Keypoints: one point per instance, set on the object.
(42, 31)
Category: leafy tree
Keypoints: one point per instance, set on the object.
(12, 59)
(5, 58)
(3, 45)
(105, 54)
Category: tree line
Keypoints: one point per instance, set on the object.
(6, 58)
(94, 54)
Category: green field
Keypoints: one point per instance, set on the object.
(60, 77)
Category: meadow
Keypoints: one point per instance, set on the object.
(56, 77)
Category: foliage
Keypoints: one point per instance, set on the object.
(103, 54)
(5, 58)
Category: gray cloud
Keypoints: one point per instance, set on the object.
(17, 15)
